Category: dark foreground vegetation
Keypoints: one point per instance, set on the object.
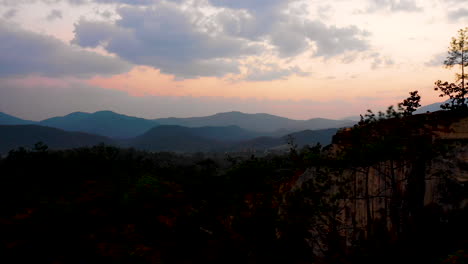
(109, 205)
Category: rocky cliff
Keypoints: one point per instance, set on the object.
(388, 183)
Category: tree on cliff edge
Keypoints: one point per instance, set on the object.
(457, 55)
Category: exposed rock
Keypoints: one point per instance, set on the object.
(396, 171)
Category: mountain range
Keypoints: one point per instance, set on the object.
(264, 123)
(233, 131)
(105, 123)
(118, 126)
(230, 131)
(162, 138)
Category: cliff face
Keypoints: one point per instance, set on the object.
(394, 180)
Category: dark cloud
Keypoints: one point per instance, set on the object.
(54, 14)
(23, 53)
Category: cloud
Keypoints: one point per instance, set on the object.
(458, 14)
(191, 43)
(24, 53)
(54, 14)
(289, 32)
(393, 6)
(166, 38)
(437, 60)
(272, 72)
(379, 61)
(10, 13)
(332, 41)
(128, 2)
(252, 5)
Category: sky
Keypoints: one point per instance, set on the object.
(181, 58)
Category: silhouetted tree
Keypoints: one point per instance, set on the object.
(410, 104)
(457, 55)
(369, 117)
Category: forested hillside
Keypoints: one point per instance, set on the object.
(383, 192)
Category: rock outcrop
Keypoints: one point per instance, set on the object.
(389, 181)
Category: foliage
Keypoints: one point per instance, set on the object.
(457, 56)
(405, 108)
(456, 93)
(410, 104)
(109, 205)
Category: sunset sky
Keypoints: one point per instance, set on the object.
(160, 58)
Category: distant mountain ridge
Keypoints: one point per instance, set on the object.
(118, 126)
(430, 108)
(265, 123)
(174, 138)
(105, 123)
(162, 138)
(14, 136)
(185, 139)
(6, 119)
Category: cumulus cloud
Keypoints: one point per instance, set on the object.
(189, 43)
(289, 33)
(166, 38)
(23, 53)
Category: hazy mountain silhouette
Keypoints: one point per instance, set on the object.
(221, 132)
(114, 125)
(6, 119)
(301, 138)
(15, 136)
(232, 138)
(105, 123)
(256, 122)
(430, 108)
(160, 138)
(225, 133)
(312, 137)
(174, 138)
(186, 139)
